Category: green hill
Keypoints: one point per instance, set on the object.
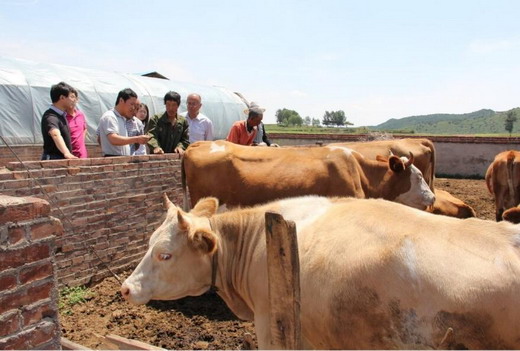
(478, 122)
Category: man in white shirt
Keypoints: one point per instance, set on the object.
(200, 126)
(115, 124)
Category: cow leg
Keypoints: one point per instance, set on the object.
(499, 213)
(263, 332)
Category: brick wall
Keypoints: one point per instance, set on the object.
(28, 289)
(34, 153)
(110, 206)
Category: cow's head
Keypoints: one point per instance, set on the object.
(405, 183)
(178, 261)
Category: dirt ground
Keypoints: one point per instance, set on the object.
(197, 322)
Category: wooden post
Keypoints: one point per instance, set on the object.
(283, 268)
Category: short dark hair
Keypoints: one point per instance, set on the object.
(125, 94)
(172, 96)
(60, 89)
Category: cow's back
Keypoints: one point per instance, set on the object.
(245, 176)
(381, 275)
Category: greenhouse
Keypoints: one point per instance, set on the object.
(25, 88)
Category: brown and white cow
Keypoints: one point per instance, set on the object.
(424, 158)
(448, 205)
(374, 274)
(503, 181)
(243, 176)
(421, 148)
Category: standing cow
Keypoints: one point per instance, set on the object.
(243, 176)
(424, 159)
(374, 274)
(421, 148)
(503, 181)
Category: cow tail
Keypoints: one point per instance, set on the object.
(489, 178)
(511, 175)
(432, 172)
(185, 203)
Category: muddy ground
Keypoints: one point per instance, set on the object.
(196, 322)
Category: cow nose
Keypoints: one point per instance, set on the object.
(125, 291)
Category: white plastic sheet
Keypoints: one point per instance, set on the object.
(25, 95)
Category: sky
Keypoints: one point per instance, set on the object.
(375, 60)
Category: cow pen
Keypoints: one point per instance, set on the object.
(113, 205)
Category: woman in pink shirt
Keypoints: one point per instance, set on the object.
(78, 131)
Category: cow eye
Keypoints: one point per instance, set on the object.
(165, 256)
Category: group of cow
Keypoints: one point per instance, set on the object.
(377, 271)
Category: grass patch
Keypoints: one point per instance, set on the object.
(73, 296)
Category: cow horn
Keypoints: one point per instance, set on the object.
(166, 202)
(410, 161)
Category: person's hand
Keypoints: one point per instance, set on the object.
(158, 150)
(180, 151)
(69, 156)
(142, 139)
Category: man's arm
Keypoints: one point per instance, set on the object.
(118, 140)
(153, 143)
(209, 131)
(60, 143)
(265, 139)
(233, 135)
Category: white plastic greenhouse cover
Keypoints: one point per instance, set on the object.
(25, 95)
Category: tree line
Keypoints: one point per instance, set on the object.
(286, 117)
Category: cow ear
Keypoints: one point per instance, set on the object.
(166, 202)
(396, 164)
(182, 222)
(206, 207)
(204, 241)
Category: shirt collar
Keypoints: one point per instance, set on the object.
(118, 114)
(58, 111)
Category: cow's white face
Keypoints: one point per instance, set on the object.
(178, 261)
(419, 195)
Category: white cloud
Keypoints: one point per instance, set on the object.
(298, 93)
(483, 46)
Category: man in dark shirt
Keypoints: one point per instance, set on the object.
(169, 132)
(55, 128)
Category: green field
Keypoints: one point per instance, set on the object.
(274, 128)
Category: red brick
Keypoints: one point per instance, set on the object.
(73, 170)
(85, 162)
(34, 314)
(43, 333)
(15, 234)
(16, 342)
(46, 229)
(9, 323)
(101, 161)
(40, 271)
(15, 209)
(22, 297)
(19, 257)
(54, 164)
(17, 184)
(9, 176)
(7, 281)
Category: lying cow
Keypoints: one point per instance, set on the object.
(244, 176)
(448, 205)
(374, 274)
(422, 149)
(503, 181)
